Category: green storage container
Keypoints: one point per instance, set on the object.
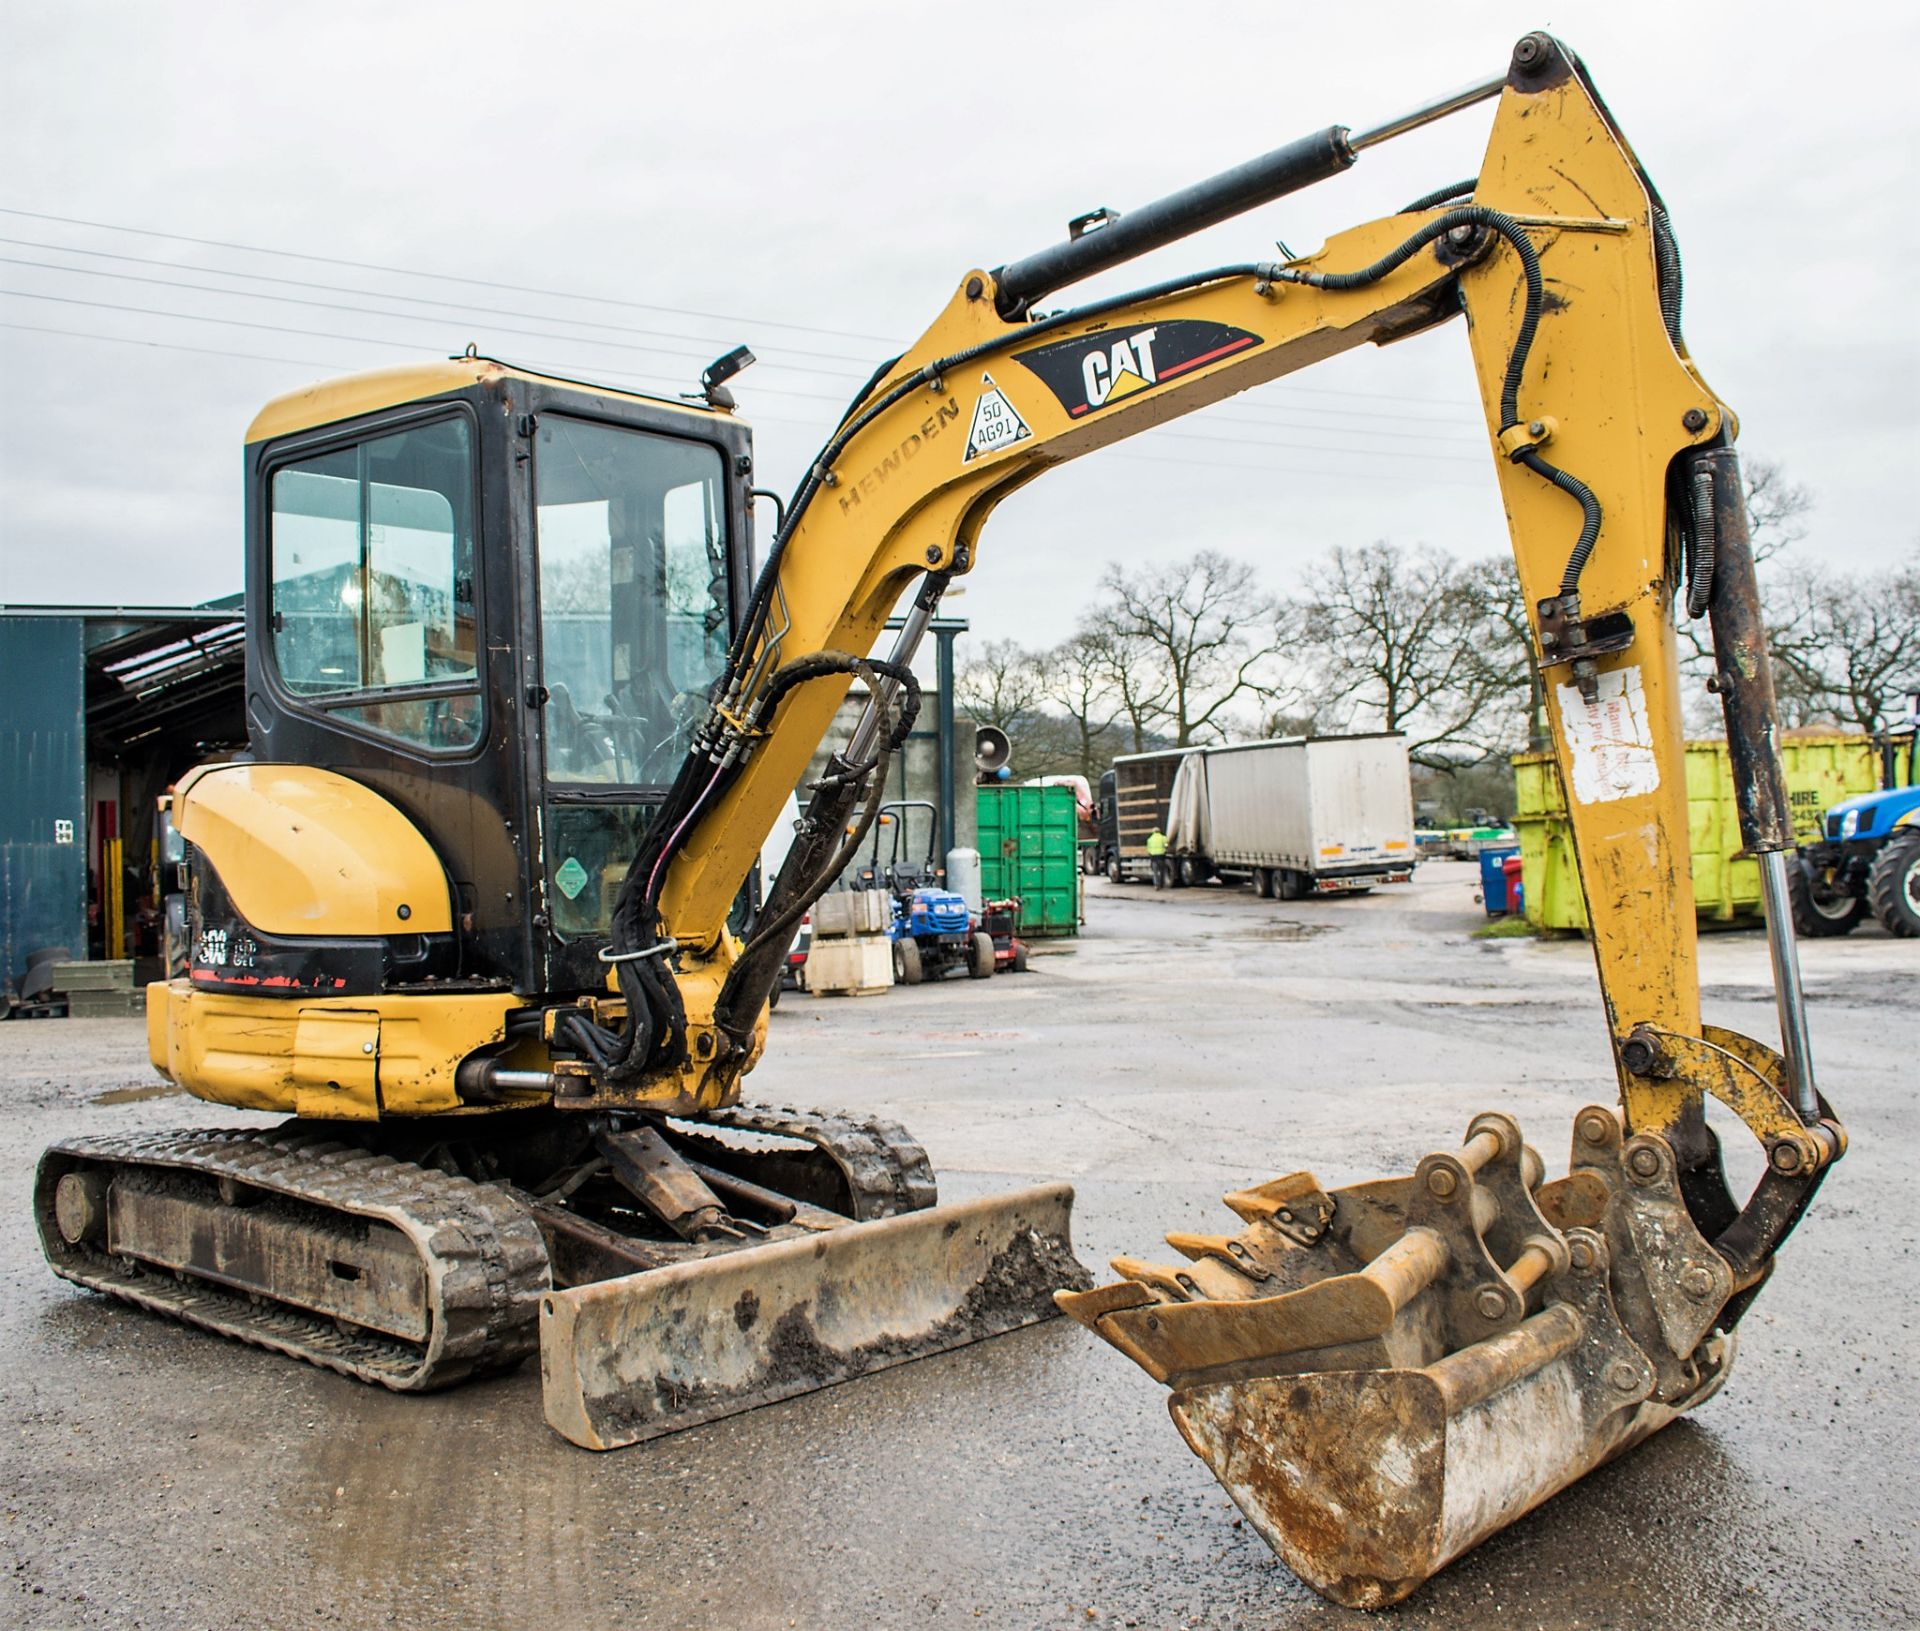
(1029, 846)
(1820, 770)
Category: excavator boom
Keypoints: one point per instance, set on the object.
(1381, 1375)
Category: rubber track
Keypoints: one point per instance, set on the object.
(487, 1263)
(884, 1165)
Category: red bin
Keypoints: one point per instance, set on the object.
(1516, 894)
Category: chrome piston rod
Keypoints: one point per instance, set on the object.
(1784, 950)
(913, 630)
(1427, 113)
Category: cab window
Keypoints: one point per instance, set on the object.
(373, 583)
(634, 599)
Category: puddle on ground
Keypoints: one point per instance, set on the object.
(135, 1095)
(1282, 929)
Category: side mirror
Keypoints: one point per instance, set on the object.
(173, 848)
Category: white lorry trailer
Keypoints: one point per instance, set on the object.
(1294, 817)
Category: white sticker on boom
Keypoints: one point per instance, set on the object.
(996, 423)
(1608, 739)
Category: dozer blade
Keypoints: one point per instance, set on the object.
(634, 1358)
(1383, 1376)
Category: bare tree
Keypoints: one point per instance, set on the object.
(1419, 642)
(1000, 685)
(1845, 646)
(1508, 651)
(1080, 677)
(1203, 628)
(1140, 686)
(1775, 505)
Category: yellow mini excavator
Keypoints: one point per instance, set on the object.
(471, 910)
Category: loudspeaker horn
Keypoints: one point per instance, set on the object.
(991, 749)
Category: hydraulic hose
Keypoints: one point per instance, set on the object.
(1491, 220)
(1439, 196)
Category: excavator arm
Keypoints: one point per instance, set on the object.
(1383, 1375)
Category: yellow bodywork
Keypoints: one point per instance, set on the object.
(327, 402)
(306, 852)
(331, 1058)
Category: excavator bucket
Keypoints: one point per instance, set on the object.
(633, 1358)
(1384, 1375)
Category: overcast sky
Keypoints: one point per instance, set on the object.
(813, 179)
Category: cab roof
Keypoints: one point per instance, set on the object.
(346, 397)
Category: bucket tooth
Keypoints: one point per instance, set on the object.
(631, 1359)
(1227, 1252)
(1295, 1205)
(1175, 1342)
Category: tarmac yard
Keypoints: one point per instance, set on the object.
(1190, 1043)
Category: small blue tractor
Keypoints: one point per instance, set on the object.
(933, 932)
(1867, 860)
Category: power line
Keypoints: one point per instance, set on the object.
(865, 363)
(443, 277)
(700, 353)
(449, 277)
(1243, 403)
(538, 334)
(655, 387)
(1435, 432)
(813, 425)
(1125, 450)
(413, 346)
(165, 345)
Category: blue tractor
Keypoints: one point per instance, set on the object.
(1867, 859)
(933, 931)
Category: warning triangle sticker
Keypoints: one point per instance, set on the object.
(996, 423)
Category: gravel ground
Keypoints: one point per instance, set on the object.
(1189, 1043)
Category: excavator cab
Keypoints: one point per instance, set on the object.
(499, 601)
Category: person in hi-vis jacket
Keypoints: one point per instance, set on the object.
(1157, 857)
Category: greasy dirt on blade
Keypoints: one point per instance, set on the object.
(631, 1359)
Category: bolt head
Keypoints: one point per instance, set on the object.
(1639, 1055)
(1462, 233)
(976, 287)
(1537, 427)
(1644, 1162)
(1786, 1158)
(1527, 52)
(933, 554)
(1580, 1254)
(1595, 1128)
(1491, 1302)
(1695, 419)
(1697, 1283)
(1442, 1183)
(1622, 1376)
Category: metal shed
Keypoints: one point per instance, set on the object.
(103, 707)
